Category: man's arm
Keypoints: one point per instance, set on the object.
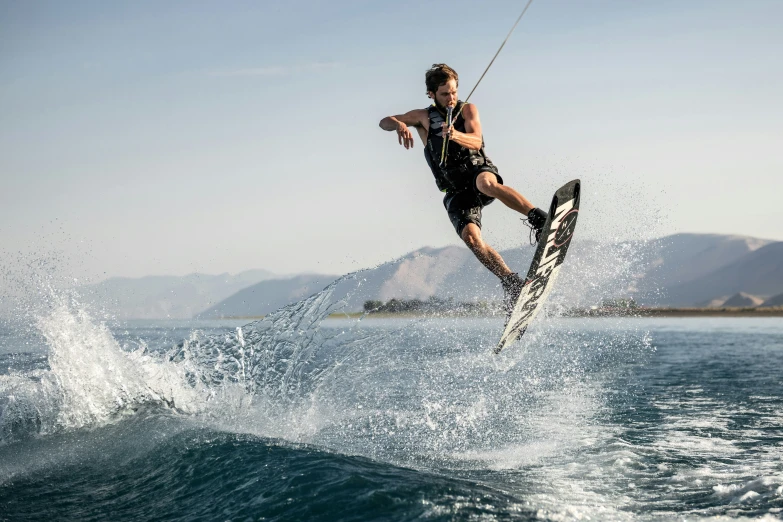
(400, 124)
(472, 137)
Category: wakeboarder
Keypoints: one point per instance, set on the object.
(463, 171)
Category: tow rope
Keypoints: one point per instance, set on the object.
(449, 109)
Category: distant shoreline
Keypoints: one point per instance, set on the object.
(681, 312)
(576, 313)
(633, 313)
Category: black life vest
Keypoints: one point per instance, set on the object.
(456, 174)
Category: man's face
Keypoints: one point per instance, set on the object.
(446, 95)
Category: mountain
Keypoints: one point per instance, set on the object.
(449, 272)
(678, 270)
(267, 296)
(158, 297)
(759, 273)
(682, 270)
(776, 300)
(742, 300)
(667, 262)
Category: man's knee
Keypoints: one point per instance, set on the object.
(471, 235)
(487, 183)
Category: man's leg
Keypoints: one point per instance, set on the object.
(487, 183)
(512, 284)
(471, 235)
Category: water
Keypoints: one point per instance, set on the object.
(300, 418)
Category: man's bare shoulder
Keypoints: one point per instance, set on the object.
(470, 110)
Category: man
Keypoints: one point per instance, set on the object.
(465, 173)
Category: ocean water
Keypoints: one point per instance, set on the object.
(298, 417)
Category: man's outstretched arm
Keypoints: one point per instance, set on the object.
(400, 124)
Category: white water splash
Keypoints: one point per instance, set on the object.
(264, 373)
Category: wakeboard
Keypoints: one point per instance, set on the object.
(547, 261)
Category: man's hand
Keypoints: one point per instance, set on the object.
(404, 135)
(448, 131)
(401, 123)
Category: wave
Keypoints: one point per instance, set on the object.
(200, 474)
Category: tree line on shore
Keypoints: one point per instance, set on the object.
(431, 305)
(607, 307)
(436, 304)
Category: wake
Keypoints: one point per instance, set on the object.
(91, 380)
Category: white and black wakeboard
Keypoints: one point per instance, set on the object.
(547, 261)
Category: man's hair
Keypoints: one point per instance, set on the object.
(438, 75)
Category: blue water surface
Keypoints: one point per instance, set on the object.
(298, 417)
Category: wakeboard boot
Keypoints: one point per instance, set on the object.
(512, 287)
(536, 219)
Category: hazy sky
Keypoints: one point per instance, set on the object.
(154, 137)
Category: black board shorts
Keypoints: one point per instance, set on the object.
(465, 206)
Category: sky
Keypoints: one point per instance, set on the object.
(174, 137)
